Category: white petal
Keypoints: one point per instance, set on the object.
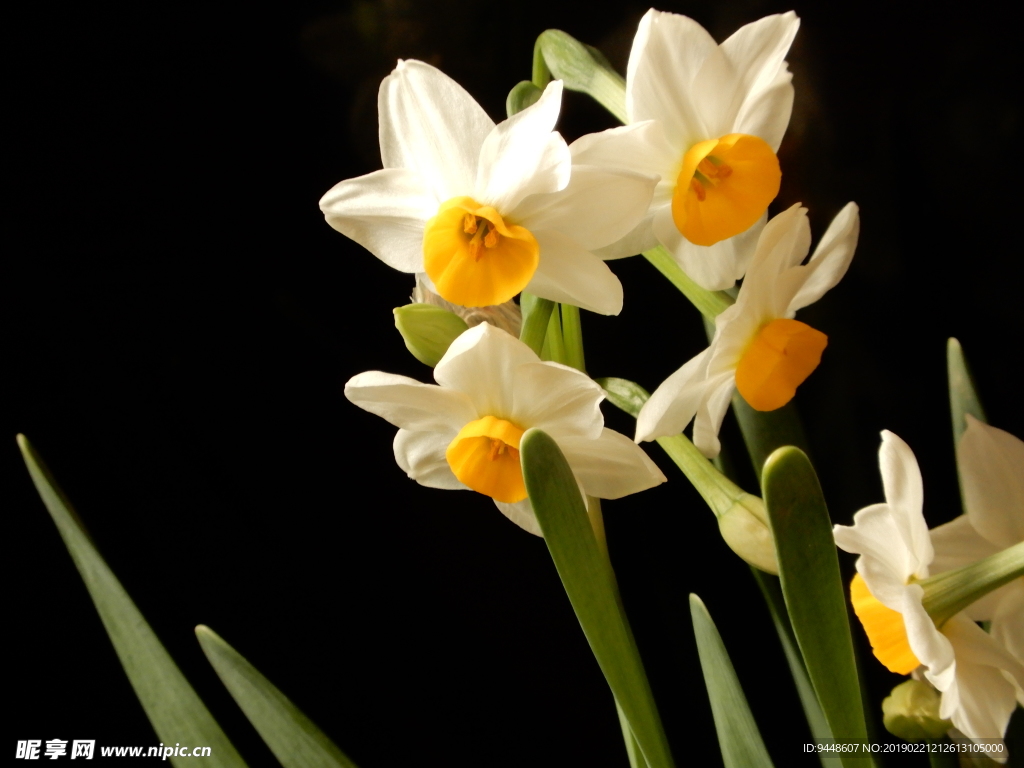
(429, 124)
(883, 555)
(409, 404)
(384, 212)
(782, 244)
(598, 207)
(611, 466)
(714, 267)
(766, 114)
(521, 513)
(482, 363)
(1008, 619)
(422, 456)
(991, 464)
(558, 399)
(708, 421)
(675, 401)
(932, 648)
(516, 148)
(904, 493)
(957, 544)
(667, 53)
(985, 697)
(570, 274)
(750, 62)
(830, 261)
(639, 240)
(640, 147)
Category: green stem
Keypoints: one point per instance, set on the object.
(946, 594)
(572, 334)
(554, 344)
(536, 317)
(764, 431)
(710, 303)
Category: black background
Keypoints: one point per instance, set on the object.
(183, 322)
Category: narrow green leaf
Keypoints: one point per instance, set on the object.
(293, 738)
(590, 584)
(764, 431)
(772, 592)
(813, 589)
(738, 737)
(963, 397)
(173, 707)
(572, 334)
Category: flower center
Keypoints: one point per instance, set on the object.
(724, 187)
(485, 456)
(777, 361)
(885, 629)
(474, 258)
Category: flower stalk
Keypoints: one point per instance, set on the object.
(948, 593)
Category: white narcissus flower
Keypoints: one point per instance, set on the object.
(980, 681)
(465, 433)
(708, 119)
(991, 464)
(485, 210)
(758, 347)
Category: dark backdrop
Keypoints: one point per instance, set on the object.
(183, 322)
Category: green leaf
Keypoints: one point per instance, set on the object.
(738, 737)
(813, 589)
(765, 431)
(963, 398)
(590, 584)
(293, 738)
(536, 318)
(173, 707)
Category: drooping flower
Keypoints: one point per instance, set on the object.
(758, 347)
(991, 464)
(485, 210)
(464, 432)
(979, 680)
(708, 119)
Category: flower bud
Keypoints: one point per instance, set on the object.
(583, 68)
(744, 526)
(524, 94)
(428, 331)
(911, 712)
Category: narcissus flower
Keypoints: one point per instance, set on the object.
(758, 347)
(991, 464)
(708, 119)
(485, 210)
(978, 678)
(465, 433)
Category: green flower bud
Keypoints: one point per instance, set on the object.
(428, 331)
(583, 68)
(524, 94)
(744, 526)
(911, 712)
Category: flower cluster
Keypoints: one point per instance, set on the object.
(482, 213)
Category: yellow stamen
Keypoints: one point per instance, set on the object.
(777, 361)
(885, 629)
(474, 258)
(485, 456)
(706, 207)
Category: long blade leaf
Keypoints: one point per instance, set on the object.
(813, 589)
(963, 398)
(173, 707)
(590, 584)
(738, 737)
(293, 738)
